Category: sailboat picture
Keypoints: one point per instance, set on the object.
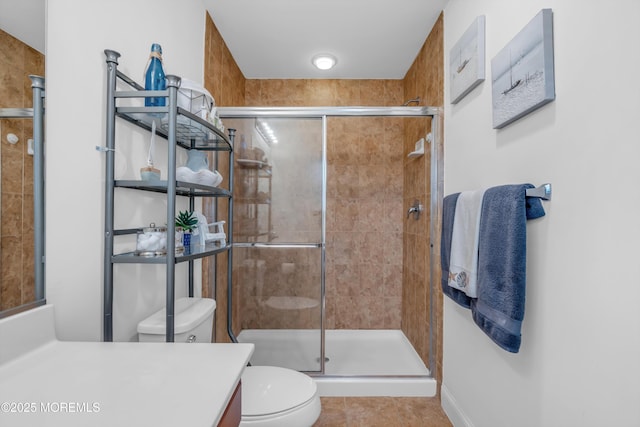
(466, 61)
(522, 72)
(512, 84)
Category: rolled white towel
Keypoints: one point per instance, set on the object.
(203, 176)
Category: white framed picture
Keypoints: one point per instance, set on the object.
(522, 75)
(466, 61)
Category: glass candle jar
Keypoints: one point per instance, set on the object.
(152, 241)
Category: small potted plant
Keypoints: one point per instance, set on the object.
(187, 221)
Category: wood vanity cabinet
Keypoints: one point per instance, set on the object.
(233, 413)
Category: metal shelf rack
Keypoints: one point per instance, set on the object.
(181, 129)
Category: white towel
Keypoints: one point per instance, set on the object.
(463, 268)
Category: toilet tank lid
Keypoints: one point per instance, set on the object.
(188, 313)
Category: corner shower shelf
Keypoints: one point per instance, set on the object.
(253, 201)
(254, 164)
(248, 232)
(256, 202)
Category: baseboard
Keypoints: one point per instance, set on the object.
(450, 406)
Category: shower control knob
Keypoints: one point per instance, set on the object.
(415, 209)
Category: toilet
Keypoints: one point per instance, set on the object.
(193, 322)
(278, 397)
(271, 396)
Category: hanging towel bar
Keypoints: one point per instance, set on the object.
(543, 192)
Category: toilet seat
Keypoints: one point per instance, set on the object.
(278, 397)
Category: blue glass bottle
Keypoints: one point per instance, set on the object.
(154, 77)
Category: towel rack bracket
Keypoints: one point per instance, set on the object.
(543, 192)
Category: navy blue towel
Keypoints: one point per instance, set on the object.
(499, 308)
(448, 214)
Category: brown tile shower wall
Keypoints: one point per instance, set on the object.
(364, 196)
(416, 233)
(17, 62)
(425, 78)
(268, 273)
(224, 80)
(222, 77)
(279, 203)
(364, 223)
(317, 92)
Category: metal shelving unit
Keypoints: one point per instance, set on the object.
(181, 129)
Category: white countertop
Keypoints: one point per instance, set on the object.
(120, 384)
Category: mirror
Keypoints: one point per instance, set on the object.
(21, 46)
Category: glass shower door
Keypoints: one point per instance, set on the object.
(279, 240)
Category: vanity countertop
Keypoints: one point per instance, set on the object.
(61, 383)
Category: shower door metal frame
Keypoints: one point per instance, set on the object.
(436, 182)
(37, 114)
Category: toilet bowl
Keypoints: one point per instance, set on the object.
(271, 396)
(278, 397)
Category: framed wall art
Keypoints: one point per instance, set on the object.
(466, 61)
(522, 74)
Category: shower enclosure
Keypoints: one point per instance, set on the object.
(320, 244)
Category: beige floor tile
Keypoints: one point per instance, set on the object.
(381, 411)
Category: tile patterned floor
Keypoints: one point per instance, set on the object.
(381, 411)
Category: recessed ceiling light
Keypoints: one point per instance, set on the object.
(324, 61)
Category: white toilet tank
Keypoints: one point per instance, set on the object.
(193, 322)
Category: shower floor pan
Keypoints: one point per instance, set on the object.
(357, 362)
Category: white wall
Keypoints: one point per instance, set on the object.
(77, 33)
(578, 363)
